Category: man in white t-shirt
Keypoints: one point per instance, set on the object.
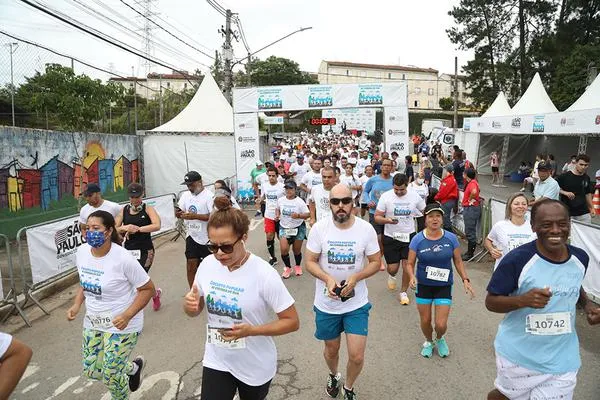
(14, 357)
(271, 191)
(95, 202)
(335, 254)
(353, 182)
(312, 177)
(362, 162)
(364, 201)
(194, 208)
(319, 198)
(298, 170)
(396, 211)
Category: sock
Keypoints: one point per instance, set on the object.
(298, 258)
(135, 369)
(286, 260)
(271, 247)
(348, 390)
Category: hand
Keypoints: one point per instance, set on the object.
(72, 312)
(178, 212)
(191, 303)
(469, 289)
(570, 195)
(349, 286)
(331, 284)
(413, 282)
(238, 331)
(593, 315)
(536, 298)
(188, 215)
(133, 228)
(372, 204)
(495, 253)
(392, 221)
(295, 215)
(312, 221)
(121, 321)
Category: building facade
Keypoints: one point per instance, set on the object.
(149, 87)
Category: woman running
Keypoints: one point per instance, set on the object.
(135, 222)
(433, 250)
(241, 292)
(115, 289)
(221, 189)
(419, 186)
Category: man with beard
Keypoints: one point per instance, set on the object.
(335, 253)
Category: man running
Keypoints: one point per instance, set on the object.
(319, 198)
(335, 254)
(537, 286)
(95, 202)
(271, 191)
(312, 177)
(396, 211)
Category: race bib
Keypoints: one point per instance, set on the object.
(136, 253)
(514, 243)
(438, 274)
(288, 232)
(194, 227)
(214, 337)
(101, 320)
(548, 324)
(402, 237)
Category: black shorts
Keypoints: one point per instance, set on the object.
(222, 385)
(437, 295)
(364, 206)
(394, 250)
(378, 228)
(495, 169)
(194, 250)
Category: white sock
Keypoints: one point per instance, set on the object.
(348, 390)
(135, 369)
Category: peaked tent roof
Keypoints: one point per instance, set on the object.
(589, 99)
(535, 100)
(208, 111)
(499, 107)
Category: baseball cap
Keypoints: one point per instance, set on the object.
(135, 190)
(259, 163)
(544, 166)
(191, 177)
(290, 184)
(431, 207)
(91, 188)
(300, 156)
(450, 168)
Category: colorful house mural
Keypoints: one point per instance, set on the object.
(91, 173)
(122, 173)
(78, 182)
(15, 201)
(57, 180)
(135, 171)
(4, 174)
(106, 175)
(32, 187)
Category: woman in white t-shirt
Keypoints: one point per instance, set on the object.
(115, 289)
(240, 292)
(420, 187)
(511, 232)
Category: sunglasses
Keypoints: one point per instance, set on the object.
(336, 201)
(225, 248)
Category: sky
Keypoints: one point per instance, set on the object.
(409, 33)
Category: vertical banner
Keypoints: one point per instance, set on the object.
(246, 151)
(587, 238)
(165, 210)
(396, 130)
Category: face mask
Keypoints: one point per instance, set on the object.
(420, 181)
(95, 238)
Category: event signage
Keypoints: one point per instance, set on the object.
(320, 96)
(247, 152)
(370, 95)
(323, 121)
(361, 119)
(273, 120)
(566, 122)
(538, 124)
(269, 99)
(396, 128)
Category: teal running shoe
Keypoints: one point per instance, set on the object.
(427, 350)
(442, 347)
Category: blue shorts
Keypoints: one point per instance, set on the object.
(330, 326)
(301, 235)
(436, 295)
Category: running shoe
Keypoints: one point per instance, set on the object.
(135, 380)
(273, 261)
(349, 394)
(286, 273)
(382, 266)
(391, 283)
(404, 299)
(258, 214)
(442, 347)
(427, 350)
(156, 299)
(333, 385)
(298, 270)
(522, 190)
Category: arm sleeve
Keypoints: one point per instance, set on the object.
(454, 241)
(197, 279)
(554, 192)
(181, 203)
(493, 235)
(414, 242)
(134, 272)
(275, 294)
(313, 243)
(367, 189)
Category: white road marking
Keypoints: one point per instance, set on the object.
(254, 223)
(81, 389)
(31, 369)
(30, 387)
(64, 387)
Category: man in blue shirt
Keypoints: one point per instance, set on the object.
(546, 187)
(537, 286)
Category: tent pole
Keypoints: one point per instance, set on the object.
(503, 157)
(187, 165)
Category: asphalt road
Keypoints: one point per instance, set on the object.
(173, 343)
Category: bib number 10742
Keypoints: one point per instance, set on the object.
(549, 324)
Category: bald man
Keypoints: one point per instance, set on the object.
(335, 253)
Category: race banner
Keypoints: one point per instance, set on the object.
(165, 209)
(396, 130)
(362, 119)
(247, 152)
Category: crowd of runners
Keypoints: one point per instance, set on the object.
(319, 188)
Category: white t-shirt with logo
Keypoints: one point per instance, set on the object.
(272, 193)
(300, 171)
(201, 203)
(106, 205)
(404, 209)
(110, 286)
(351, 180)
(507, 236)
(250, 294)
(311, 179)
(361, 164)
(343, 253)
(289, 206)
(5, 341)
(262, 179)
(320, 197)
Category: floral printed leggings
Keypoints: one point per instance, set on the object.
(105, 357)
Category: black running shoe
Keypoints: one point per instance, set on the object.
(349, 394)
(273, 261)
(333, 385)
(135, 380)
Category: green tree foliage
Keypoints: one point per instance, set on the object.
(446, 103)
(571, 75)
(278, 71)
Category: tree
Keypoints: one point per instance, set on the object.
(571, 75)
(278, 71)
(446, 103)
(218, 70)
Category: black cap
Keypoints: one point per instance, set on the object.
(431, 207)
(191, 177)
(91, 188)
(544, 166)
(290, 184)
(135, 190)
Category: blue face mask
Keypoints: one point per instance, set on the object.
(95, 238)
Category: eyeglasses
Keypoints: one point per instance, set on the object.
(336, 201)
(225, 248)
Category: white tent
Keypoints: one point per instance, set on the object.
(499, 107)
(589, 99)
(535, 100)
(208, 111)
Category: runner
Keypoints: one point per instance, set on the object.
(349, 179)
(14, 358)
(298, 170)
(363, 199)
(512, 232)
(135, 223)
(271, 191)
(194, 208)
(95, 202)
(254, 174)
(312, 178)
(291, 212)
(422, 189)
(396, 211)
(221, 189)
(537, 286)
(363, 162)
(335, 254)
(240, 353)
(319, 198)
(433, 251)
(115, 289)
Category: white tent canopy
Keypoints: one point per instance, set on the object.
(208, 111)
(589, 99)
(535, 100)
(499, 107)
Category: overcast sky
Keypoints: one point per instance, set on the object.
(376, 31)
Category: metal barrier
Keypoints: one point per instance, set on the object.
(12, 297)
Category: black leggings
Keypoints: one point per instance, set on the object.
(219, 385)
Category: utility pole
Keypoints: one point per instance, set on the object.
(455, 125)
(227, 56)
(134, 101)
(12, 83)
(160, 100)
(248, 66)
(72, 65)
(109, 117)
